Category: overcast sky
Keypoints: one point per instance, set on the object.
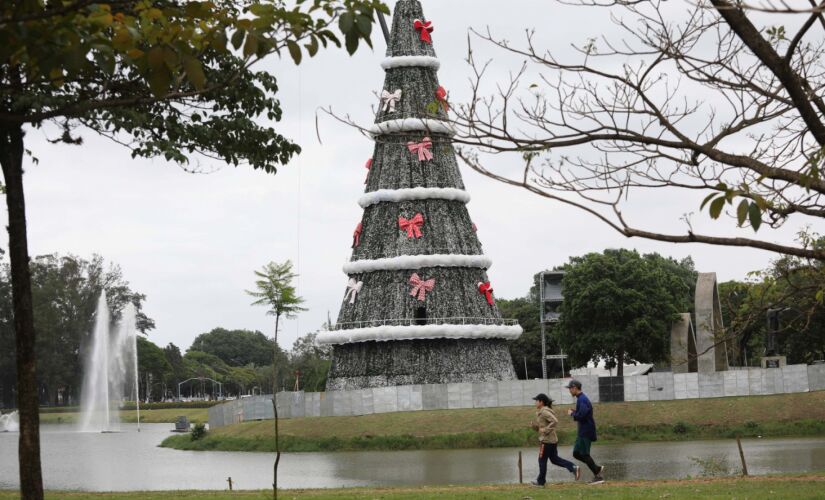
(191, 242)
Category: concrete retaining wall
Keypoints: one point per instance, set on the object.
(660, 386)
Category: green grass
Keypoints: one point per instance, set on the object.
(130, 416)
(131, 406)
(783, 415)
(802, 486)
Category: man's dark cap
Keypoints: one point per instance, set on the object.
(573, 383)
(544, 399)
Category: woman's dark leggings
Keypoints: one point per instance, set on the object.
(550, 451)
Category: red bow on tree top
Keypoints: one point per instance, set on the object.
(412, 226)
(425, 28)
(486, 289)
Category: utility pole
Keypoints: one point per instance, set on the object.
(384, 28)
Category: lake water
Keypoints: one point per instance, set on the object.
(132, 461)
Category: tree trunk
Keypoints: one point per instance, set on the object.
(275, 409)
(620, 365)
(11, 159)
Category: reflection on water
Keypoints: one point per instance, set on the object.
(132, 461)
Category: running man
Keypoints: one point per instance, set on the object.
(583, 414)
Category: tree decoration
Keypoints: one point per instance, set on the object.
(353, 287)
(356, 236)
(369, 169)
(422, 149)
(486, 289)
(421, 287)
(390, 100)
(441, 97)
(412, 226)
(475, 228)
(419, 241)
(400, 262)
(424, 28)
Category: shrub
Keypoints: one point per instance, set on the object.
(680, 428)
(198, 432)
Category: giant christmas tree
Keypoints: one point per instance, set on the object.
(419, 308)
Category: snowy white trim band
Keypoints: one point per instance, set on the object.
(406, 61)
(410, 194)
(387, 333)
(412, 125)
(411, 262)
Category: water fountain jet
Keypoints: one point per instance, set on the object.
(110, 359)
(9, 422)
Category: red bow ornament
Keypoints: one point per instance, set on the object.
(425, 28)
(422, 148)
(441, 96)
(486, 289)
(356, 236)
(412, 226)
(369, 168)
(421, 287)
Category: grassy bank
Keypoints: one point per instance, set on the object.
(804, 486)
(130, 416)
(782, 415)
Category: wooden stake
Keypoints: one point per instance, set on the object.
(520, 481)
(229, 480)
(742, 457)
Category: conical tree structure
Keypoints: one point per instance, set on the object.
(419, 307)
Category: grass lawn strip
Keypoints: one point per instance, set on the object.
(163, 416)
(770, 487)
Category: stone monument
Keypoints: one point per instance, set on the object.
(683, 345)
(419, 306)
(710, 346)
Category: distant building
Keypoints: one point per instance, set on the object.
(601, 371)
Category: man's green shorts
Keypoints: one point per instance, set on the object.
(582, 446)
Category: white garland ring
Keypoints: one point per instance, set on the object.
(412, 125)
(413, 262)
(411, 61)
(410, 194)
(419, 332)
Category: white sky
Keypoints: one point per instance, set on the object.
(191, 242)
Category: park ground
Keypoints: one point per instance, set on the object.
(773, 487)
(785, 415)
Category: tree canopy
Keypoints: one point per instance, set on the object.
(793, 287)
(235, 347)
(619, 306)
